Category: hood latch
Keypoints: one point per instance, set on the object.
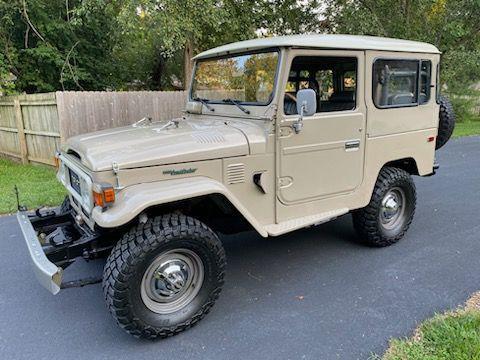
(116, 170)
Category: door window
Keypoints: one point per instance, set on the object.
(332, 78)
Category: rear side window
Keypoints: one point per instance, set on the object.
(425, 81)
(395, 83)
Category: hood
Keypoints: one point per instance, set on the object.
(154, 144)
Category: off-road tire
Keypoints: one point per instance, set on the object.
(446, 122)
(367, 221)
(131, 256)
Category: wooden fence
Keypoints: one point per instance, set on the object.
(29, 127)
(33, 126)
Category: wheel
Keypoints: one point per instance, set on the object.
(446, 122)
(388, 215)
(164, 276)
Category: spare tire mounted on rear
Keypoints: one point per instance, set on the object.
(446, 122)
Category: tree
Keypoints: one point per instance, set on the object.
(122, 44)
(51, 45)
(170, 30)
(452, 25)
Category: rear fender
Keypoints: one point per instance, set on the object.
(131, 201)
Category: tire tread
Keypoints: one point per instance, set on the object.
(365, 220)
(133, 247)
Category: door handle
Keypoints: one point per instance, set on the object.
(352, 145)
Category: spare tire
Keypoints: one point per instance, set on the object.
(446, 123)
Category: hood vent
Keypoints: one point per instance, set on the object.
(235, 174)
(208, 138)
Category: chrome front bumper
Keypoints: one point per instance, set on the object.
(47, 273)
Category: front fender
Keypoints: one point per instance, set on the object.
(131, 201)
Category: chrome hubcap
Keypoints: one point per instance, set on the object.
(392, 209)
(172, 280)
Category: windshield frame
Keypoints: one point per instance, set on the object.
(236, 54)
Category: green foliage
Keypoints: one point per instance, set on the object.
(121, 44)
(452, 25)
(7, 85)
(156, 33)
(468, 127)
(51, 45)
(445, 337)
(463, 105)
(37, 186)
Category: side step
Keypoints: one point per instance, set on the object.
(294, 224)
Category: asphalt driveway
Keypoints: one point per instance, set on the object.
(313, 294)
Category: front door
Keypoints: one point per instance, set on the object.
(326, 158)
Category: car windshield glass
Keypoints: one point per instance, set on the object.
(245, 79)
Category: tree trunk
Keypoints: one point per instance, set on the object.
(158, 73)
(187, 64)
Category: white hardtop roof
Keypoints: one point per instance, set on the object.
(321, 41)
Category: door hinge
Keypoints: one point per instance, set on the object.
(286, 131)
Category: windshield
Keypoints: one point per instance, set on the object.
(245, 79)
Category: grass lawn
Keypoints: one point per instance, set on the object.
(37, 186)
(467, 128)
(449, 336)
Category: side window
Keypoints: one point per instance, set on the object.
(332, 78)
(425, 81)
(395, 83)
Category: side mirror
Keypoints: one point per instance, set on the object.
(306, 106)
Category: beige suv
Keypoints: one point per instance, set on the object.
(278, 134)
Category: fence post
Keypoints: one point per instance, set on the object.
(21, 131)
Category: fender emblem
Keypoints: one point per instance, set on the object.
(179, 172)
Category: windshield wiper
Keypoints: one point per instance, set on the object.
(237, 104)
(204, 102)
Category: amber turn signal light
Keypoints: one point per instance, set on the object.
(103, 195)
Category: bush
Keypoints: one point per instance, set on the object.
(464, 106)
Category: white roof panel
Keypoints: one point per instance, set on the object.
(323, 41)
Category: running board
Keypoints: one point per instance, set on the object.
(294, 224)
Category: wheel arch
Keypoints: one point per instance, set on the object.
(199, 196)
(408, 164)
(214, 209)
